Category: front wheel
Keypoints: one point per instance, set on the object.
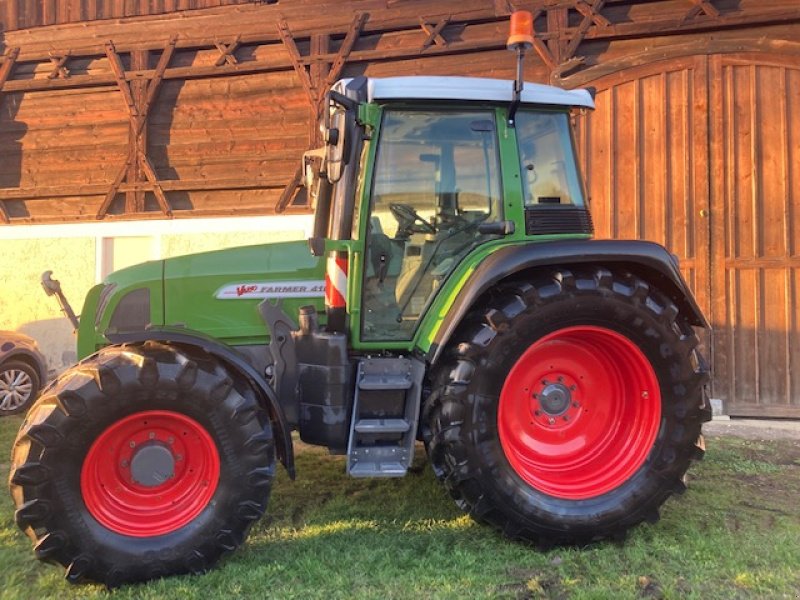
(570, 408)
(140, 462)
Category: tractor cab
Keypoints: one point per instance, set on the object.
(418, 173)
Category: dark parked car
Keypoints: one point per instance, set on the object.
(23, 370)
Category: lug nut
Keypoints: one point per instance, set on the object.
(566, 417)
(645, 394)
(132, 444)
(560, 379)
(151, 435)
(575, 405)
(178, 457)
(538, 413)
(170, 440)
(124, 464)
(572, 388)
(551, 420)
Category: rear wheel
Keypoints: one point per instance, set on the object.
(570, 407)
(141, 462)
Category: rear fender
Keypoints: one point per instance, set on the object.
(650, 261)
(234, 361)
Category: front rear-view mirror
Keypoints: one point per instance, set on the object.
(336, 139)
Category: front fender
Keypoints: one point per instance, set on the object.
(648, 260)
(232, 359)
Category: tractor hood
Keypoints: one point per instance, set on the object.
(216, 293)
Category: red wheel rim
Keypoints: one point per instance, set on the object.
(579, 412)
(150, 473)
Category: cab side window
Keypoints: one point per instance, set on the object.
(549, 173)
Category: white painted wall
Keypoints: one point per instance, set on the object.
(80, 255)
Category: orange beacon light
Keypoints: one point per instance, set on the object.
(521, 31)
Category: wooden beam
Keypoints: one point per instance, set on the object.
(139, 95)
(296, 62)
(59, 62)
(701, 7)
(590, 12)
(9, 59)
(434, 33)
(346, 48)
(289, 191)
(227, 52)
(276, 182)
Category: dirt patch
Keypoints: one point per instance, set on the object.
(753, 429)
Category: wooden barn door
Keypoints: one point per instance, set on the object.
(755, 165)
(702, 154)
(645, 156)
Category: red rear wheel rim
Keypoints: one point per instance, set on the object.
(579, 412)
(130, 493)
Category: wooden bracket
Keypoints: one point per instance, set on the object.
(59, 62)
(315, 87)
(228, 52)
(139, 102)
(541, 48)
(701, 7)
(434, 32)
(591, 15)
(566, 66)
(297, 61)
(9, 60)
(289, 192)
(591, 10)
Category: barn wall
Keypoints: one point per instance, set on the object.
(694, 142)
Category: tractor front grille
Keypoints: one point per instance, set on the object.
(558, 219)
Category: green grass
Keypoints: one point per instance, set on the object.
(734, 534)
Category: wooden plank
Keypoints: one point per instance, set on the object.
(760, 411)
(6, 69)
(277, 182)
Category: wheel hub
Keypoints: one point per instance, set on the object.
(555, 399)
(152, 465)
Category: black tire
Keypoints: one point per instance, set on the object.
(460, 418)
(15, 401)
(98, 395)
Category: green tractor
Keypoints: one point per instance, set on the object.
(452, 294)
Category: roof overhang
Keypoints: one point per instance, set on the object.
(472, 89)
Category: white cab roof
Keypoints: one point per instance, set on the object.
(471, 88)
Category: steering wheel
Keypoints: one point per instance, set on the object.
(406, 218)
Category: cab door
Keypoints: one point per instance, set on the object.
(436, 181)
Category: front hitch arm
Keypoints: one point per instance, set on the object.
(52, 287)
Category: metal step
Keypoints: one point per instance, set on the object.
(382, 426)
(369, 455)
(380, 469)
